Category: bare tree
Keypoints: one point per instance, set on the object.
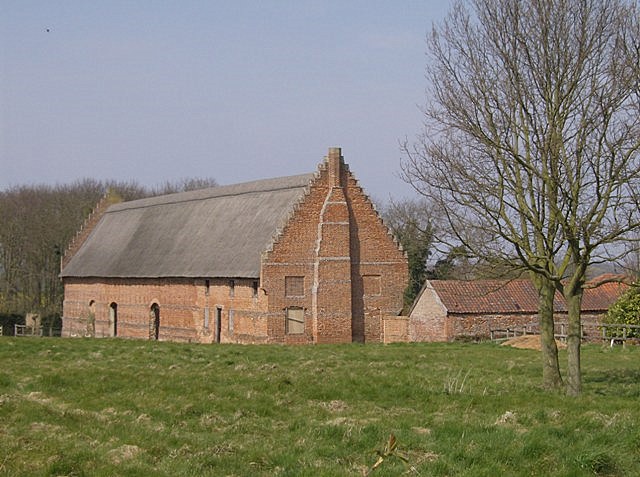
(631, 263)
(36, 225)
(411, 221)
(183, 185)
(531, 143)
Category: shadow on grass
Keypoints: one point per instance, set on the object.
(618, 382)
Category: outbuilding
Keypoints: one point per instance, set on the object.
(446, 310)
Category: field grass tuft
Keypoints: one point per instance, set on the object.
(110, 407)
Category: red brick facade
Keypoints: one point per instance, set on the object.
(330, 276)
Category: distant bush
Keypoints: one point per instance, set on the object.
(626, 310)
(7, 322)
(51, 325)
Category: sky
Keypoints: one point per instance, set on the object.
(156, 91)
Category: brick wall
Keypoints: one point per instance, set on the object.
(376, 258)
(479, 326)
(429, 319)
(189, 309)
(396, 329)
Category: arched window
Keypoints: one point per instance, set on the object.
(154, 322)
(113, 319)
(91, 319)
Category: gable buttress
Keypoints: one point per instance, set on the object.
(350, 270)
(331, 292)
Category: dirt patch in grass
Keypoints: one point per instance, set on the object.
(333, 406)
(529, 342)
(123, 453)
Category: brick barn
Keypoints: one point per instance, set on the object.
(446, 310)
(300, 259)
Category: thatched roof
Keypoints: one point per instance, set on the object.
(217, 232)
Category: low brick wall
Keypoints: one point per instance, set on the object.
(395, 329)
(479, 326)
(435, 324)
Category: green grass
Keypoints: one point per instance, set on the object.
(74, 407)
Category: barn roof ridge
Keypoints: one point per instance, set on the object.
(229, 190)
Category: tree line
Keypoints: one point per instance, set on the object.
(37, 223)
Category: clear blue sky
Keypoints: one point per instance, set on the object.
(235, 90)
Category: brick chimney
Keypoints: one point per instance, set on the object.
(334, 160)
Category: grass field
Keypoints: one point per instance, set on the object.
(75, 407)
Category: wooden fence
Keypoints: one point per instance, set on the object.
(503, 334)
(23, 330)
(620, 333)
(608, 332)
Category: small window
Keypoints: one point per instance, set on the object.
(206, 318)
(218, 325)
(232, 288)
(207, 287)
(371, 285)
(295, 321)
(231, 315)
(293, 286)
(255, 289)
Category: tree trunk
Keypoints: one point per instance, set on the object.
(574, 373)
(551, 378)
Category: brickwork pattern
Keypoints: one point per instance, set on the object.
(429, 319)
(182, 304)
(396, 329)
(480, 326)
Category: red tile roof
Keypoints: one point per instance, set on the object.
(514, 296)
(602, 297)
